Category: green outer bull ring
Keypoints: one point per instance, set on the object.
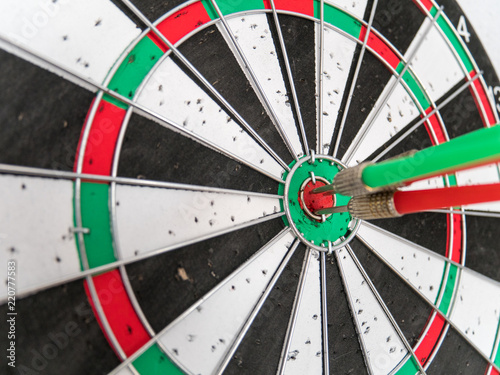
(339, 239)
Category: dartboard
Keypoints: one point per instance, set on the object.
(156, 161)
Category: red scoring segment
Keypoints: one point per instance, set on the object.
(119, 312)
(180, 24)
(482, 101)
(379, 46)
(424, 4)
(315, 202)
(299, 6)
(433, 126)
(101, 143)
(454, 244)
(407, 202)
(426, 347)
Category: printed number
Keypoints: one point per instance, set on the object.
(495, 93)
(462, 29)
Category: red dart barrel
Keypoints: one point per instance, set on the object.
(407, 202)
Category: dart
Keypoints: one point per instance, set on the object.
(471, 150)
(393, 204)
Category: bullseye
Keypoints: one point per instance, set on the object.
(311, 203)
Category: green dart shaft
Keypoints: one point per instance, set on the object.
(469, 150)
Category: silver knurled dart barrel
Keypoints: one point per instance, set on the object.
(349, 181)
(373, 206)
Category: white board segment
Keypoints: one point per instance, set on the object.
(477, 309)
(418, 266)
(437, 75)
(487, 174)
(429, 183)
(337, 61)
(355, 7)
(125, 371)
(384, 349)
(253, 34)
(173, 95)
(201, 337)
(83, 36)
(381, 125)
(153, 218)
(305, 350)
(493, 207)
(36, 215)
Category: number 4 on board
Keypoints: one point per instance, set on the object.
(462, 29)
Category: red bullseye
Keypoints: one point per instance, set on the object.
(311, 203)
